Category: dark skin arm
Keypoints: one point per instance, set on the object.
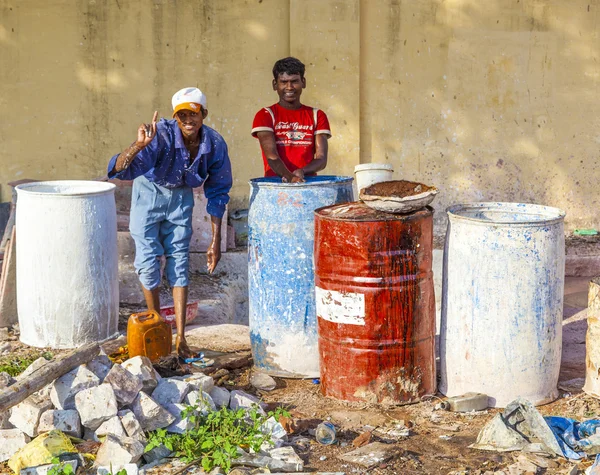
(146, 133)
(267, 144)
(213, 254)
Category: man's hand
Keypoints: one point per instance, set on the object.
(298, 176)
(146, 132)
(213, 255)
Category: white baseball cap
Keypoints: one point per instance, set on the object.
(190, 98)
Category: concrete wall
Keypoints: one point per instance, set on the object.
(488, 100)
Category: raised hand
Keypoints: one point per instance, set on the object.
(146, 132)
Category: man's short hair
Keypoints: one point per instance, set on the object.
(288, 65)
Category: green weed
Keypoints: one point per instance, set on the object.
(215, 437)
(15, 365)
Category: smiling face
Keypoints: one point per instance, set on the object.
(190, 122)
(289, 88)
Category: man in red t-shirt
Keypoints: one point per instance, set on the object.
(293, 137)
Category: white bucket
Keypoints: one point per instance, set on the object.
(370, 173)
(67, 263)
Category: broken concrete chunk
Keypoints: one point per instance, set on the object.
(142, 367)
(26, 415)
(170, 391)
(125, 385)
(202, 400)
(100, 365)
(289, 456)
(96, 405)
(151, 415)
(111, 426)
(117, 451)
(130, 469)
(11, 440)
(371, 454)
(274, 429)
(65, 388)
(179, 425)
(200, 382)
(240, 399)
(67, 421)
(220, 396)
(132, 426)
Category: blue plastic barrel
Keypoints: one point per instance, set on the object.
(281, 283)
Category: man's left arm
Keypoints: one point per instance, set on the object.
(216, 190)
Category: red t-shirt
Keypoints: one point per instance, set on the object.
(295, 132)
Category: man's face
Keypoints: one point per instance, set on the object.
(189, 122)
(289, 88)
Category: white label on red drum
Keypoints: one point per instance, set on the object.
(340, 307)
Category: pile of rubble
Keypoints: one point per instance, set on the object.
(116, 404)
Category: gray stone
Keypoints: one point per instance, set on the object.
(241, 399)
(111, 426)
(132, 426)
(151, 415)
(142, 367)
(100, 365)
(96, 405)
(117, 451)
(179, 425)
(45, 469)
(202, 401)
(67, 421)
(220, 396)
(26, 415)
(126, 385)
(4, 335)
(11, 440)
(263, 381)
(157, 453)
(170, 391)
(5, 381)
(65, 388)
(130, 469)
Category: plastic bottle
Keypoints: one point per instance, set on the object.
(466, 402)
(325, 433)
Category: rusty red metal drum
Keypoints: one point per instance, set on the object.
(375, 303)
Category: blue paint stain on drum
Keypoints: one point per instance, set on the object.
(283, 327)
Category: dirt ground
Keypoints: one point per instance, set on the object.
(438, 441)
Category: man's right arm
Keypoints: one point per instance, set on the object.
(269, 148)
(145, 135)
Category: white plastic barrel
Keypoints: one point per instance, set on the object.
(67, 263)
(502, 302)
(367, 174)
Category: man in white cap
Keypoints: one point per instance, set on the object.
(168, 159)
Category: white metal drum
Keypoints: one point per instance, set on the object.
(502, 301)
(67, 263)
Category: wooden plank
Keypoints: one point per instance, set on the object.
(8, 284)
(41, 377)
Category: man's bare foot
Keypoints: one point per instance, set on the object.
(183, 350)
